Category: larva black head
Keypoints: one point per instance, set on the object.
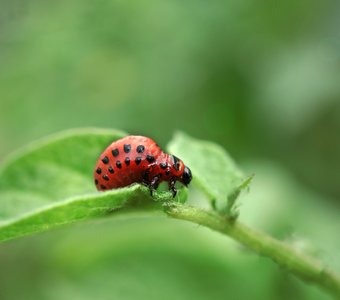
(186, 176)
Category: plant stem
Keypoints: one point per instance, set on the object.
(303, 266)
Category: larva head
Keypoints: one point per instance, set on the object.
(182, 172)
(186, 176)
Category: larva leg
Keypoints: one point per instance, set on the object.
(172, 187)
(154, 183)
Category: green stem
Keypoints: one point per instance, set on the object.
(305, 267)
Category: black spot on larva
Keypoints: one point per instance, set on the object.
(145, 175)
(163, 165)
(167, 172)
(111, 170)
(115, 152)
(138, 160)
(118, 164)
(103, 187)
(127, 148)
(99, 170)
(176, 162)
(140, 149)
(105, 160)
(127, 161)
(105, 177)
(175, 159)
(96, 181)
(150, 158)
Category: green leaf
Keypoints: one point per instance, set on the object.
(232, 208)
(74, 209)
(214, 172)
(51, 183)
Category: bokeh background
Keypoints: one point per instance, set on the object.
(259, 77)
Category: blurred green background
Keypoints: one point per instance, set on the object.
(259, 77)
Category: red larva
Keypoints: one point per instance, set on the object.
(138, 159)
